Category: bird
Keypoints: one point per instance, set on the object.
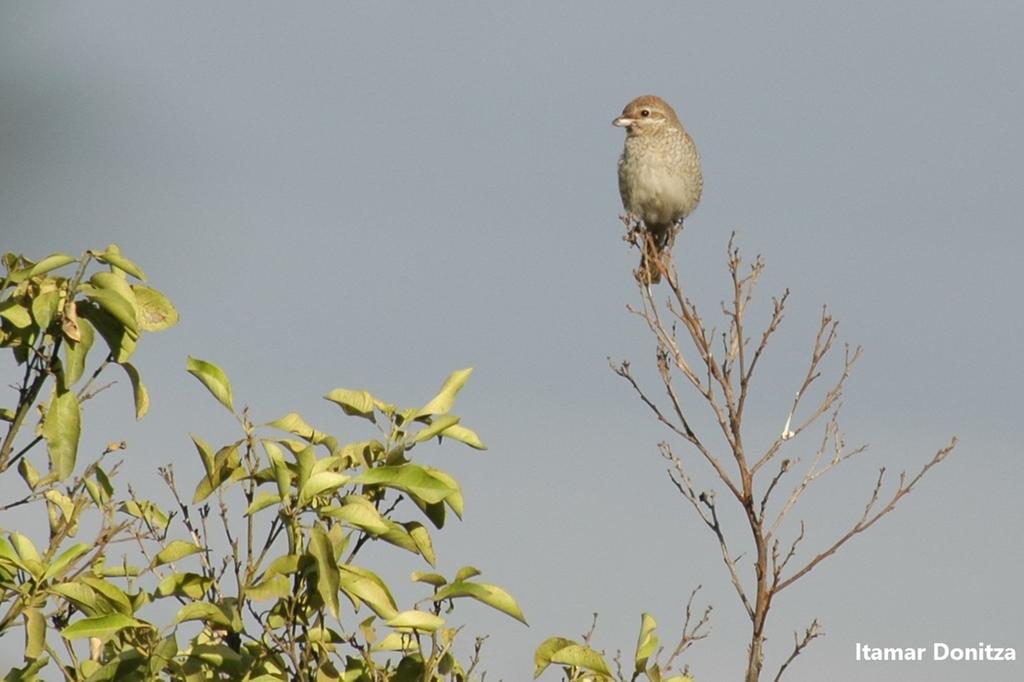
(660, 179)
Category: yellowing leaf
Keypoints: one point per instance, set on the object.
(101, 627)
(647, 643)
(112, 256)
(51, 262)
(444, 400)
(214, 378)
(61, 428)
(464, 435)
(328, 575)
(138, 390)
(492, 595)
(176, 549)
(416, 620)
(156, 312)
(354, 403)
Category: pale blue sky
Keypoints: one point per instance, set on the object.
(373, 195)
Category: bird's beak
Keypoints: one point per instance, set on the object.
(623, 122)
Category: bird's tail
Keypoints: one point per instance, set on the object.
(652, 257)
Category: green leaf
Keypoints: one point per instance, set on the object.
(492, 595)
(567, 652)
(429, 578)
(444, 400)
(45, 307)
(360, 584)
(120, 340)
(59, 500)
(139, 391)
(220, 657)
(101, 627)
(58, 565)
(213, 378)
(75, 353)
(467, 572)
(15, 313)
(414, 479)
(305, 458)
(286, 564)
(112, 595)
(112, 256)
(398, 536)
(121, 570)
(62, 428)
(353, 403)
(282, 475)
(358, 512)
(464, 435)
(274, 587)
(29, 673)
(393, 641)
(416, 620)
(205, 455)
(176, 549)
(28, 473)
(35, 633)
(161, 656)
(263, 500)
(120, 304)
(438, 425)
(121, 668)
(50, 263)
(421, 536)
(435, 512)
(9, 556)
(156, 312)
(294, 423)
(82, 596)
(191, 585)
(582, 657)
(25, 549)
(321, 483)
(114, 281)
(454, 500)
(204, 612)
(647, 643)
(328, 575)
(542, 656)
(226, 467)
(146, 511)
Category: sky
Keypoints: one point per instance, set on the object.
(372, 195)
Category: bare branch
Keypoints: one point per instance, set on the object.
(867, 519)
(839, 455)
(779, 566)
(783, 468)
(724, 384)
(824, 338)
(687, 433)
(589, 634)
(704, 504)
(691, 633)
(799, 644)
(730, 562)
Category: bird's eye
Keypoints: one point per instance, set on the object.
(645, 112)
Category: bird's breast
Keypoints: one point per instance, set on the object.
(659, 184)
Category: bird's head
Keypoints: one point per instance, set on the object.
(647, 114)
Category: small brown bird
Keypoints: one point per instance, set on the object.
(659, 176)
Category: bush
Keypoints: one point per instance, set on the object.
(256, 593)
